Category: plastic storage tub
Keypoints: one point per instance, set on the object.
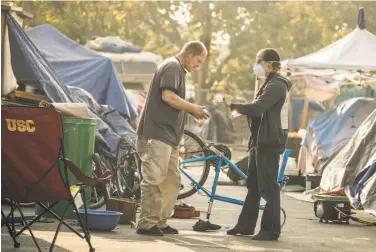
(100, 219)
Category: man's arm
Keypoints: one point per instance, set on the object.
(170, 81)
(175, 101)
(273, 93)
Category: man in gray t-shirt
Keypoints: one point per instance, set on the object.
(159, 120)
(159, 132)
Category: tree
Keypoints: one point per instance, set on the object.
(232, 31)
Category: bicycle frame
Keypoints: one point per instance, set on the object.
(212, 195)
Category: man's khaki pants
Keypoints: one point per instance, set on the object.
(161, 181)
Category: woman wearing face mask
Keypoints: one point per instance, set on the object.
(266, 143)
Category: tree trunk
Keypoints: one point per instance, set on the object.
(206, 39)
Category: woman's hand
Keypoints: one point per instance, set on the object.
(222, 99)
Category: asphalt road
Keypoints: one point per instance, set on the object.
(302, 232)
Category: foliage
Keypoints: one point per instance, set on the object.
(233, 31)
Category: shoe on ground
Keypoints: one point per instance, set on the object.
(153, 231)
(236, 231)
(264, 237)
(169, 230)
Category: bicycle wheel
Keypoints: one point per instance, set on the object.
(136, 176)
(108, 162)
(283, 217)
(97, 192)
(191, 146)
(97, 197)
(128, 179)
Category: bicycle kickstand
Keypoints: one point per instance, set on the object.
(205, 225)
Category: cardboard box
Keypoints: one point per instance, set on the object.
(123, 205)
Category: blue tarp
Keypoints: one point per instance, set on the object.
(331, 130)
(112, 126)
(30, 66)
(298, 106)
(358, 186)
(81, 67)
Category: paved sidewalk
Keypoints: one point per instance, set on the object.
(301, 233)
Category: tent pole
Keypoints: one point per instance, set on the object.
(304, 123)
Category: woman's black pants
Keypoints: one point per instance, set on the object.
(263, 166)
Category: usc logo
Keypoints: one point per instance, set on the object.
(20, 125)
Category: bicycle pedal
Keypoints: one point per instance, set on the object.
(225, 169)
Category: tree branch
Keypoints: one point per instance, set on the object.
(218, 73)
(173, 37)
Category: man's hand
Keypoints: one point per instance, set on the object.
(177, 102)
(226, 101)
(200, 112)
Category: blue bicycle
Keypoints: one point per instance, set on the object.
(203, 155)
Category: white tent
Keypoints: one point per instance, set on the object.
(332, 65)
(356, 51)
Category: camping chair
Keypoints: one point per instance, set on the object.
(34, 168)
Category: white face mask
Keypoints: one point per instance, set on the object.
(259, 70)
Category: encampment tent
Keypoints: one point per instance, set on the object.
(356, 51)
(331, 130)
(31, 67)
(351, 163)
(133, 64)
(81, 67)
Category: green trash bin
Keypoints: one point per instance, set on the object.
(79, 138)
